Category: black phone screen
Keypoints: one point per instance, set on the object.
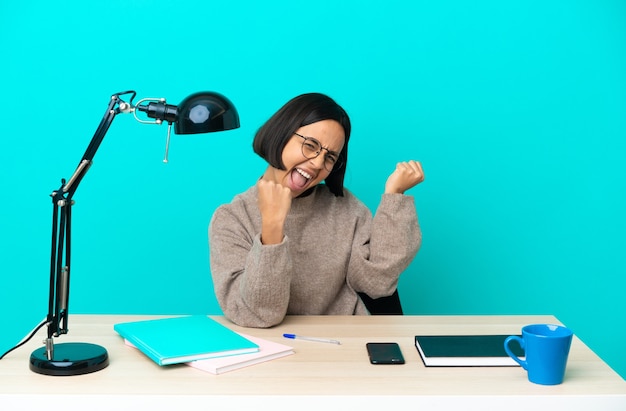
(385, 353)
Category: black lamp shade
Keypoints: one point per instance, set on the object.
(205, 112)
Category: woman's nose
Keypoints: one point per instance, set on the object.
(318, 161)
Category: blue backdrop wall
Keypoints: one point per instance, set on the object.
(516, 110)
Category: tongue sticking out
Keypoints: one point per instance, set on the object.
(298, 179)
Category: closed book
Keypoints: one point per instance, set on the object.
(465, 350)
(182, 339)
(268, 350)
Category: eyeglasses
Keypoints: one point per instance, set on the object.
(311, 148)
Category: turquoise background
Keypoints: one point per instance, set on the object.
(516, 109)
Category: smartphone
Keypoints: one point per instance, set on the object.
(384, 353)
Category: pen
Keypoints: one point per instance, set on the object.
(300, 337)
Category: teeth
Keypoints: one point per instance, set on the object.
(304, 174)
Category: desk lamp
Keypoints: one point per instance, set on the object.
(199, 113)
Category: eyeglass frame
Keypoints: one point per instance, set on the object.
(336, 165)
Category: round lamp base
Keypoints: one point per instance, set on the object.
(70, 359)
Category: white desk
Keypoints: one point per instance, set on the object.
(318, 375)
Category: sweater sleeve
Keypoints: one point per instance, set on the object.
(251, 280)
(384, 246)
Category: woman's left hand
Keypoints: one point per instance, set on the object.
(406, 175)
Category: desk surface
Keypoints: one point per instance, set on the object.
(318, 370)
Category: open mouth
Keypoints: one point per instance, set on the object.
(300, 178)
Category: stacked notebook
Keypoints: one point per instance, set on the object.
(268, 350)
(198, 341)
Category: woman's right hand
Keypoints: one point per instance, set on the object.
(274, 203)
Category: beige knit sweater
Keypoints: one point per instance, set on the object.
(332, 249)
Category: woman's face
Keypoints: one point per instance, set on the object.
(301, 173)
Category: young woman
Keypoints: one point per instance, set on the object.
(297, 242)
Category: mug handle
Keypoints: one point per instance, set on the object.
(510, 353)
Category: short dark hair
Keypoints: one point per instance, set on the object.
(305, 109)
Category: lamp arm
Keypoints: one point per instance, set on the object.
(116, 106)
(57, 317)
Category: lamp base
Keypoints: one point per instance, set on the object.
(70, 359)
